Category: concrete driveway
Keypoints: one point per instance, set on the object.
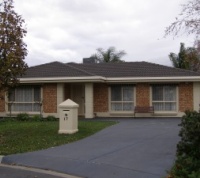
(134, 148)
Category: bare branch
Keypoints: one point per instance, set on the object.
(188, 20)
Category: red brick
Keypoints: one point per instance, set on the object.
(100, 98)
(142, 94)
(50, 98)
(185, 96)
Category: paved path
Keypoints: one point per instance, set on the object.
(134, 148)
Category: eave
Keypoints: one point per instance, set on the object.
(154, 79)
(62, 79)
(95, 79)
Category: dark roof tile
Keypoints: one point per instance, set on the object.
(54, 69)
(134, 69)
(112, 70)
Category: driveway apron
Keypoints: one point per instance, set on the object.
(133, 148)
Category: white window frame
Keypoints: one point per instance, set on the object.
(121, 102)
(32, 102)
(176, 101)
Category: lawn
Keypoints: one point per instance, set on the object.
(21, 136)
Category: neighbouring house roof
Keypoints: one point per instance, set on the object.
(107, 71)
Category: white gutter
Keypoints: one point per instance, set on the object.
(154, 79)
(110, 80)
(62, 79)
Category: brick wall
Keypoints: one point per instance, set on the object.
(185, 96)
(142, 94)
(50, 98)
(2, 102)
(100, 98)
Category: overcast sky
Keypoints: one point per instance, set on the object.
(70, 30)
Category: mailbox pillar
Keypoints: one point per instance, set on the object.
(68, 117)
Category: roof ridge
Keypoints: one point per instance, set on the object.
(81, 70)
(45, 64)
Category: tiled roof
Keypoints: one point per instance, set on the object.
(133, 69)
(110, 70)
(54, 69)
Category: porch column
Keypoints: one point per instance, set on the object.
(89, 114)
(60, 94)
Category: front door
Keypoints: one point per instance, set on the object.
(78, 96)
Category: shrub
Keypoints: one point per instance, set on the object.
(51, 118)
(26, 117)
(190, 135)
(187, 164)
(36, 118)
(23, 117)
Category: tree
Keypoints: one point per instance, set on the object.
(188, 20)
(179, 61)
(187, 58)
(109, 55)
(193, 58)
(12, 47)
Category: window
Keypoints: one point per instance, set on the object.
(122, 98)
(25, 99)
(164, 97)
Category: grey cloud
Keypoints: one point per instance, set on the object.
(68, 30)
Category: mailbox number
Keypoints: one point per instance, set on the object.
(66, 117)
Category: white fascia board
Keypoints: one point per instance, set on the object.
(110, 80)
(63, 79)
(153, 79)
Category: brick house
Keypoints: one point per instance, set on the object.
(105, 89)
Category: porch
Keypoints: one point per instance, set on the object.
(81, 93)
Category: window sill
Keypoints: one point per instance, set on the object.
(121, 112)
(19, 112)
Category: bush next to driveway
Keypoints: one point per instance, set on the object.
(187, 164)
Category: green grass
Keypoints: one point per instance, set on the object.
(20, 137)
